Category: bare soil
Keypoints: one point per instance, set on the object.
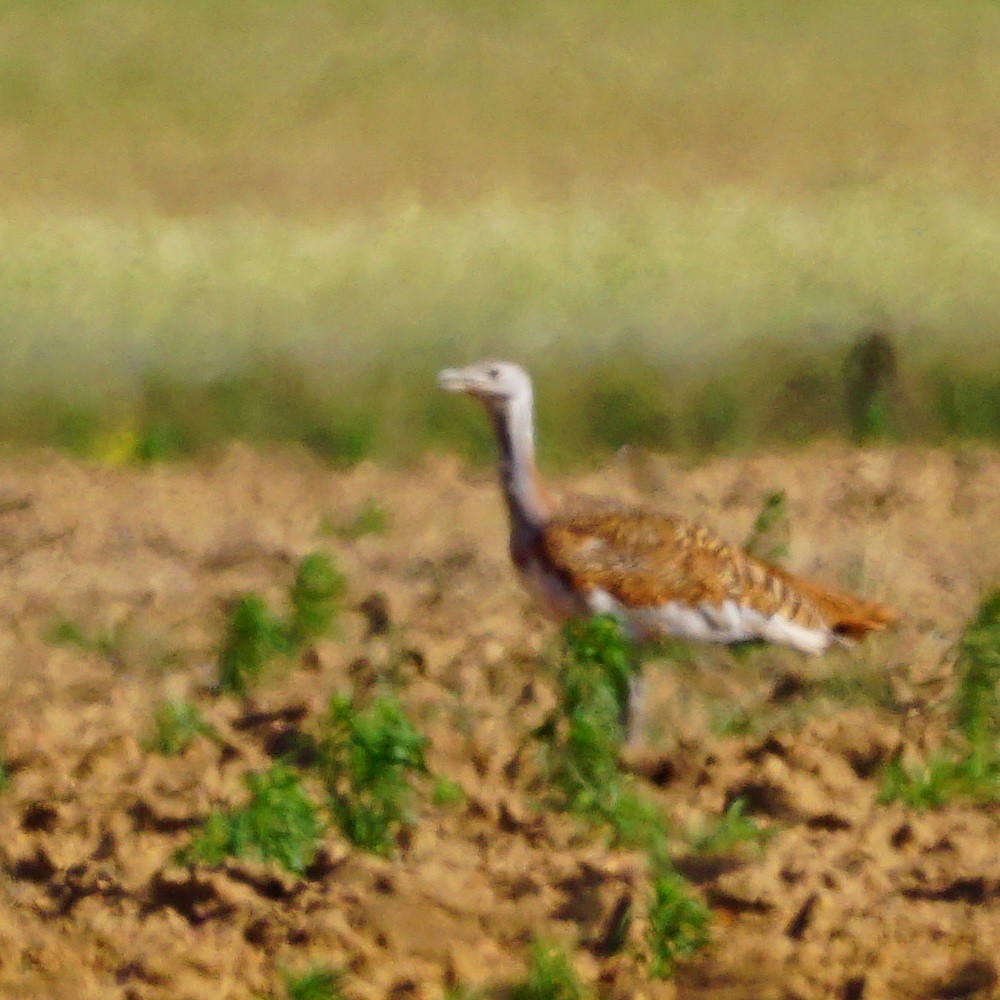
(849, 899)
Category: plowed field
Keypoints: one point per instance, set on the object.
(848, 899)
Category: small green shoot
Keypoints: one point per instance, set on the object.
(65, 632)
(316, 597)
(732, 721)
(446, 792)
(550, 977)
(280, 823)
(463, 992)
(730, 830)
(253, 638)
(318, 983)
(367, 758)
(945, 776)
(176, 724)
(678, 924)
(371, 519)
(770, 534)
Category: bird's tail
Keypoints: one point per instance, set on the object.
(848, 616)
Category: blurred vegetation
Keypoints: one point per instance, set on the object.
(582, 742)
(176, 724)
(702, 227)
(367, 759)
(255, 636)
(550, 976)
(678, 923)
(280, 823)
(770, 533)
(317, 983)
(970, 768)
(311, 107)
(316, 598)
(730, 830)
(371, 519)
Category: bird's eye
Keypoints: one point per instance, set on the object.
(494, 373)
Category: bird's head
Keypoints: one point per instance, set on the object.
(496, 384)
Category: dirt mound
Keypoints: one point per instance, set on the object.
(848, 898)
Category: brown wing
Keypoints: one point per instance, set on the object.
(645, 559)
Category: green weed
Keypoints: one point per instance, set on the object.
(550, 977)
(945, 777)
(770, 534)
(678, 923)
(254, 636)
(280, 823)
(582, 749)
(318, 983)
(729, 720)
(176, 724)
(64, 632)
(732, 829)
(372, 519)
(316, 597)
(368, 757)
(446, 792)
(977, 700)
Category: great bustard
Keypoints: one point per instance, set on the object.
(658, 575)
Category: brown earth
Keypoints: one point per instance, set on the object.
(849, 899)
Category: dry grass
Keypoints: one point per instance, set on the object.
(310, 107)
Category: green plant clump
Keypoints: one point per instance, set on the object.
(316, 596)
(730, 830)
(978, 697)
(176, 724)
(550, 977)
(367, 758)
(254, 636)
(944, 777)
(678, 923)
(372, 519)
(582, 755)
(280, 823)
(317, 983)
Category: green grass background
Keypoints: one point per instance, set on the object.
(277, 219)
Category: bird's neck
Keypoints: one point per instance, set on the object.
(527, 504)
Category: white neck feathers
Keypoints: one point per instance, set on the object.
(513, 422)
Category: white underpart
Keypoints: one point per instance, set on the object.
(727, 622)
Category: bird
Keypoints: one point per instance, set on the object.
(660, 576)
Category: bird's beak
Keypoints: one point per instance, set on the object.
(452, 380)
(462, 380)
